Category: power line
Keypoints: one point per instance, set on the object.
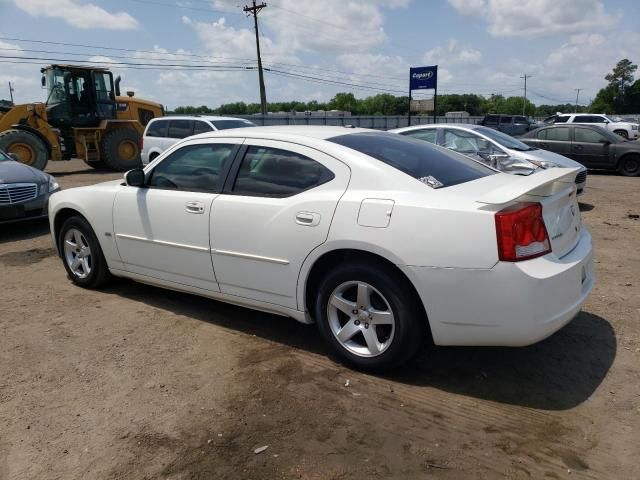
(184, 7)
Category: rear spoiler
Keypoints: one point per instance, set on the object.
(543, 183)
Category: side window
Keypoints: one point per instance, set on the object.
(587, 135)
(144, 115)
(596, 119)
(157, 129)
(180, 128)
(520, 119)
(583, 119)
(201, 127)
(561, 120)
(193, 168)
(491, 119)
(427, 134)
(461, 141)
(272, 172)
(559, 134)
(542, 134)
(505, 119)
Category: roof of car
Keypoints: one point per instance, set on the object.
(469, 126)
(320, 132)
(210, 118)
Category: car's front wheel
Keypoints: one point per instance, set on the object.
(369, 315)
(81, 254)
(622, 133)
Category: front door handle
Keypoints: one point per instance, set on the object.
(308, 219)
(194, 207)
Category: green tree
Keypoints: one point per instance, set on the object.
(619, 96)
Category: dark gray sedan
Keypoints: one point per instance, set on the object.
(24, 191)
(591, 145)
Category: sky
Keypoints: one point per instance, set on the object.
(203, 52)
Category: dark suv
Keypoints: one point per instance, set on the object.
(510, 124)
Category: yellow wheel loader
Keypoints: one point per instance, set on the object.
(84, 117)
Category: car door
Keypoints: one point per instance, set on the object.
(273, 212)
(558, 140)
(178, 129)
(590, 147)
(162, 229)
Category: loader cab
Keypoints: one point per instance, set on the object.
(77, 96)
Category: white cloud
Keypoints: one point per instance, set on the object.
(451, 54)
(527, 18)
(79, 15)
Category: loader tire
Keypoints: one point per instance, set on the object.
(120, 150)
(26, 146)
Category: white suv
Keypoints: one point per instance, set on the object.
(627, 130)
(162, 132)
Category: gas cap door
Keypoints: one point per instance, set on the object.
(375, 212)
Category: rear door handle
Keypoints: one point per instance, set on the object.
(308, 219)
(194, 207)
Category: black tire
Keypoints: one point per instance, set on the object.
(121, 150)
(99, 164)
(28, 147)
(99, 273)
(410, 320)
(622, 133)
(629, 165)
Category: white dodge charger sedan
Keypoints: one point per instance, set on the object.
(382, 240)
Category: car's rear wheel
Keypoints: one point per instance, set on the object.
(81, 254)
(622, 133)
(629, 165)
(369, 315)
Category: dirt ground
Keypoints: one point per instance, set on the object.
(142, 383)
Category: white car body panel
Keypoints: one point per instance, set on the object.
(252, 252)
(607, 123)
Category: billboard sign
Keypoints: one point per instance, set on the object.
(421, 78)
(422, 105)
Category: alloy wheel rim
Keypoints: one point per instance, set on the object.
(77, 253)
(361, 319)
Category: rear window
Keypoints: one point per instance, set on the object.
(561, 119)
(157, 129)
(414, 157)
(225, 124)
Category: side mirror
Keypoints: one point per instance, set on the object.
(43, 81)
(135, 177)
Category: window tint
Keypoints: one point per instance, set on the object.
(157, 129)
(144, 115)
(225, 124)
(588, 135)
(180, 128)
(542, 134)
(193, 168)
(272, 172)
(561, 120)
(466, 142)
(505, 119)
(559, 134)
(427, 134)
(416, 158)
(201, 127)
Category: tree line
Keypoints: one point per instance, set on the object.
(620, 96)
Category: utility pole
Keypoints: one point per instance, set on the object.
(575, 110)
(524, 104)
(11, 91)
(254, 10)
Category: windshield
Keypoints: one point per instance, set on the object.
(55, 86)
(420, 159)
(225, 124)
(504, 139)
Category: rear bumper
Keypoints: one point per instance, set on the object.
(511, 304)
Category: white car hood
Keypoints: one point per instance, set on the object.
(548, 156)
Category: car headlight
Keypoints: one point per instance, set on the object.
(543, 163)
(53, 185)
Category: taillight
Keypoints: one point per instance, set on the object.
(521, 233)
